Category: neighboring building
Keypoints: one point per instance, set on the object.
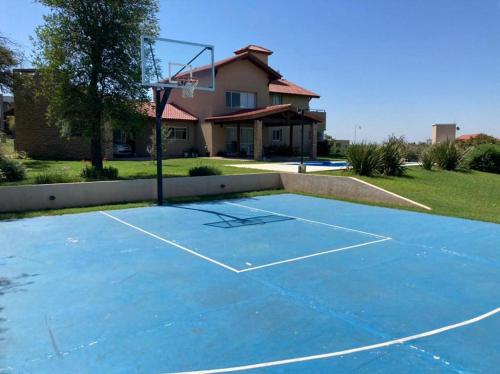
(443, 132)
(339, 146)
(252, 111)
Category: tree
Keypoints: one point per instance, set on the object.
(88, 53)
(8, 59)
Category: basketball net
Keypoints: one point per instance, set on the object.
(188, 85)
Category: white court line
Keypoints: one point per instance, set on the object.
(312, 255)
(308, 220)
(346, 351)
(171, 243)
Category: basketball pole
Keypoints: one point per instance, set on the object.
(160, 103)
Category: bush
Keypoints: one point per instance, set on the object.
(199, 171)
(392, 157)
(447, 155)
(427, 159)
(414, 151)
(324, 147)
(477, 140)
(91, 173)
(11, 169)
(364, 159)
(485, 157)
(53, 177)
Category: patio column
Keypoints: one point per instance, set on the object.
(314, 140)
(257, 140)
(291, 138)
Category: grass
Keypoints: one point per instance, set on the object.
(178, 167)
(176, 200)
(465, 194)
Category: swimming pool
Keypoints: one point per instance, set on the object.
(322, 163)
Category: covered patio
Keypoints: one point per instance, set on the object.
(248, 132)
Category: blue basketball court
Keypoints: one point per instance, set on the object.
(272, 284)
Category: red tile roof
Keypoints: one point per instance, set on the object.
(171, 112)
(254, 48)
(467, 136)
(286, 87)
(249, 114)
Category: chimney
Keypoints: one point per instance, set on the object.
(260, 52)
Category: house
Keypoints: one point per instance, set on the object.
(442, 132)
(253, 112)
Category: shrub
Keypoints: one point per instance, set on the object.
(324, 147)
(414, 151)
(199, 171)
(364, 159)
(11, 169)
(50, 177)
(426, 159)
(477, 140)
(89, 172)
(485, 157)
(392, 156)
(447, 155)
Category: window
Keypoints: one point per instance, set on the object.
(277, 135)
(177, 133)
(240, 99)
(276, 99)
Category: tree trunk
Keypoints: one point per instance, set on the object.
(96, 143)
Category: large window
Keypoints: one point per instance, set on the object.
(277, 135)
(240, 99)
(177, 133)
(276, 99)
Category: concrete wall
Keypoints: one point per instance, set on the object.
(343, 187)
(65, 195)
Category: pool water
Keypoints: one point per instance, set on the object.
(324, 163)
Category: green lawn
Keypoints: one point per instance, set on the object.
(178, 167)
(466, 194)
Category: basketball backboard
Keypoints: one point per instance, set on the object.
(170, 63)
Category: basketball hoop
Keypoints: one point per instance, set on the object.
(188, 86)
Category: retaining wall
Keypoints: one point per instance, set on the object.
(67, 195)
(343, 187)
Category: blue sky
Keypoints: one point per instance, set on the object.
(389, 66)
